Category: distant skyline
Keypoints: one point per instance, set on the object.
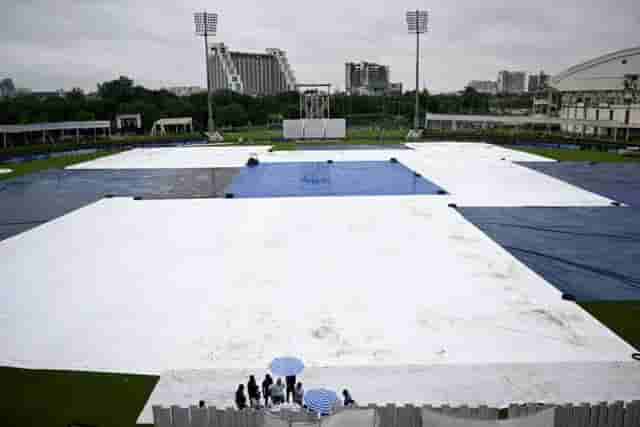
(78, 43)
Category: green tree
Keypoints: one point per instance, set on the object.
(120, 90)
(473, 101)
(232, 115)
(84, 116)
(76, 95)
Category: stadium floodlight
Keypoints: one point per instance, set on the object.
(417, 23)
(207, 25)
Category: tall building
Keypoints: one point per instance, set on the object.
(250, 73)
(538, 82)
(483, 86)
(7, 89)
(368, 78)
(511, 82)
(395, 89)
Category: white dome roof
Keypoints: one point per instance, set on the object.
(606, 72)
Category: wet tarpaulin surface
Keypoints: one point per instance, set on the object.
(28, 201)
(592, 253)
(291, 179)
(618, 181)
(322, 147)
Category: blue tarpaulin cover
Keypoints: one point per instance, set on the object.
(592, 253)
(290, 179)
(30, 200)
(618, 181)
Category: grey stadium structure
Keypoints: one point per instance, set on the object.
(601, 97)
(250, 73)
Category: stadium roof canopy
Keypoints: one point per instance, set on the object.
(607, 72)
(39, 127)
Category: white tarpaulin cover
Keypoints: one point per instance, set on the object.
(189, 281)
(373, 293)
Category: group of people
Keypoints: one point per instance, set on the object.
(274, 393)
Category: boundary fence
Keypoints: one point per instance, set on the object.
(604, 414)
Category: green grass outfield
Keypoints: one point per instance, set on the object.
(297, 145)
(33, 166)
(264, 136)
(114, 143)
(377, 133)
(34, 397)
(622, 317)
(580, 155)
(268, 135)
(258, 135)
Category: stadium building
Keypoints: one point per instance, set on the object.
(368, 78)
(537, 82)
(511, 82)
(250, 73)
(601, 97)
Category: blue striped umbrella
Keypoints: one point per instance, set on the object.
(320, 400)
(285, 366)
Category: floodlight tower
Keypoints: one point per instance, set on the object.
(417, 24)
(206, 25)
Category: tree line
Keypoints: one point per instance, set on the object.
(123, 96)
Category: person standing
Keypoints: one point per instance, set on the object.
(298, 394)
(291, 385)
(266, 389)
(253, 391)
(348, 400)
(241, 399)
(277, 392)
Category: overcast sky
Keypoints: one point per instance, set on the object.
(50, 44)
